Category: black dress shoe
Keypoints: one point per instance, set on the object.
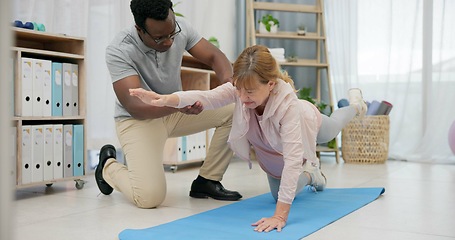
(212, 189)
(107, 152)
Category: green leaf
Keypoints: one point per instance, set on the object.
(332, 144)
(305, 94)
(176, 13)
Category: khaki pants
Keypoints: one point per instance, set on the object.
(143, 181)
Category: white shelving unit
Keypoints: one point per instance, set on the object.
(54, 48)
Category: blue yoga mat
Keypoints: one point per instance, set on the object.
(310, 212)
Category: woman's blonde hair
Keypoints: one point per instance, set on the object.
(254, 64)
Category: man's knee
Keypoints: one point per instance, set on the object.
(149, 198)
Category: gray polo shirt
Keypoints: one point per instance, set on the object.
(127, 55)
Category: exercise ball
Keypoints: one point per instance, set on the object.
(452, 137)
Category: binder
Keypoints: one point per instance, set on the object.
(182, 148)
(13, 151)
(191, 146)
(67, 150)
(58, 150)
(67, 89)
(176, 150)
(48, 152)
(26, 152)
(78, 150)
(26, 87)
(37, 153)
(56, 89)
(47, 87)
(75, 89)
(201, 142)
(196, 146)
(38, 85)
(11, 77)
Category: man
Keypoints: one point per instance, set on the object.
(149, 55)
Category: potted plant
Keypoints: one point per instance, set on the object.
(301, 30)
(268, 24)
(214, 41)
(292, 58)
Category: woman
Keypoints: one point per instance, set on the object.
(282, 129)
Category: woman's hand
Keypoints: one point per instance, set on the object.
(268, 224)
(149, 97)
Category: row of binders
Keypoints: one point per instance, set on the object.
(186, 148)
(48, 88)
(52, 151)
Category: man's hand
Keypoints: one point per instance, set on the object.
(195, 109)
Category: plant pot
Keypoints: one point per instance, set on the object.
(262, 29)
(301, 32)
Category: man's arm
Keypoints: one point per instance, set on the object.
(210, 55)
(134, 105)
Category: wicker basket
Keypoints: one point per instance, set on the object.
(366, 140)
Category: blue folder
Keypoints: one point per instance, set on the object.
(57, 89)
(78, 150)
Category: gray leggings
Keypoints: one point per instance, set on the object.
(274, 184)
(332, 126)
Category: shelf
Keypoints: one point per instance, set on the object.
(325, 149)
(286, 7)
(290, 35)
(193, 149)
(25, 38)
(49, 149)
(50, 118)
(305, 63)
(48, 53)
(32, 35)
(50, 182)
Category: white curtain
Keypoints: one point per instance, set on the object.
(99, 21)
(382, 47)
(212, 19)
(106, 19)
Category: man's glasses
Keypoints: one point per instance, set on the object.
(170, 36)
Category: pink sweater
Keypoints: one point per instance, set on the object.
(289, 125)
